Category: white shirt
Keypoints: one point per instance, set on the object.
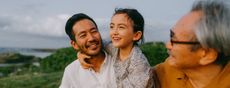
(77, 77)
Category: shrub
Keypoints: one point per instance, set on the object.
(155, 52)
(58, 60)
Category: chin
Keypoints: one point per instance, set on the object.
(93, 52)
(117, 45)
(172, 61)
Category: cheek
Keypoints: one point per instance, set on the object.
(110, 33)
(81, 44)
(126, 33)
(180, 52)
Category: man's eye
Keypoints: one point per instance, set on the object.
(82, 35)
(94, 31)
(121, 27)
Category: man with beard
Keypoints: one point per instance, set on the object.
(85, 37)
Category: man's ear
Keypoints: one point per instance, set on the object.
(137, 36)
(74, 45)
(209, 56)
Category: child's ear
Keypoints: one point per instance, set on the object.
(74, 45)
(137, 35)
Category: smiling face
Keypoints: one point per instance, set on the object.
(121, 31)
(88, 39)
(181, 55)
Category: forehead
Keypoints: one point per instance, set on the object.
(121, 18)
(185, 27)
(83, 25)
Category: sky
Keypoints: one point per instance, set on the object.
(40, 23)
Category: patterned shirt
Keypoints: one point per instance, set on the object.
(134, 72)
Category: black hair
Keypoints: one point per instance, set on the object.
(74, 19)
(136, 18)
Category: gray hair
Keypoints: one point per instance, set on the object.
(213, 30)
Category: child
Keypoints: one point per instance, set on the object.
(131, 67)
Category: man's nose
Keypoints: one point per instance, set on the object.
(168, 45)
(91, 37)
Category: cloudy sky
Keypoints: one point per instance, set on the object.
(40, 23)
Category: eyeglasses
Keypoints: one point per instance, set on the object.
(183, 42)
(180, 42)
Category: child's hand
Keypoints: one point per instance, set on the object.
(83, 59)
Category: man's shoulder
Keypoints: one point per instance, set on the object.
(164, 66)
(159, 68)
(73, 66)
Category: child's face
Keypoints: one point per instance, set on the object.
(121, 31)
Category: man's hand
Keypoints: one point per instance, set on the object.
(83, 59)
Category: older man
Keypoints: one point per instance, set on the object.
(199, 48)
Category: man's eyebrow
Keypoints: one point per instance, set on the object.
(93, 28)
(79, 33)
(172, 34)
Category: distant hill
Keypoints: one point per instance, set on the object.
(11, 58)
(38, 52)
(14, 62)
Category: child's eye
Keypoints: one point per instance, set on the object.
(111, 27)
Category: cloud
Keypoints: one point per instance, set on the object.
(25, 40)
(46, 26)
(29, 31)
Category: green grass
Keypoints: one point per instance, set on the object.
(35, 80)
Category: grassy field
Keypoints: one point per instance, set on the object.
(50, 72)
(33, 80)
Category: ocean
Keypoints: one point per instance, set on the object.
(42, 53)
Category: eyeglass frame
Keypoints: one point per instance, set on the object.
(181, 42)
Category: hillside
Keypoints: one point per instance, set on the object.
(49, 74)
(14, 63)
(11, 58)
